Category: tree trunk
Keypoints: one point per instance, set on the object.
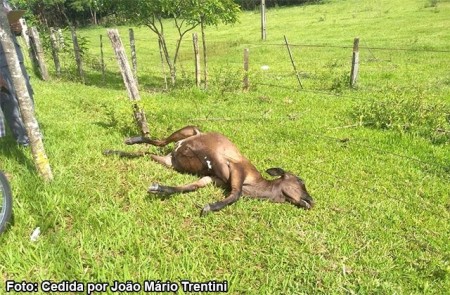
(169, 62)
(23, 97)
(162, 64)
(160, 32)
(93, 15)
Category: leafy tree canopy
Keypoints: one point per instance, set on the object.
(185, 14)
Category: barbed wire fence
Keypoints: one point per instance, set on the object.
(274, 72)
(150, 65)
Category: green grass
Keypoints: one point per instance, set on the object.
(381, 223)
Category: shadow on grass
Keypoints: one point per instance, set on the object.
(125, 131)
(10, 149)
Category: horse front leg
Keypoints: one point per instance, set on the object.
(156, 188)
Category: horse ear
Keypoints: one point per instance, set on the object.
(275, 172)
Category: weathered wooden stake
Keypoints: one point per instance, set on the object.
(162, 64)
(293, 63)
(102, 58)
(245, 81)
(129, 81)
(197, 59)
(25, 36)
(133, 53)
(77, 51)
(24, 100)
(355, 63)
(38, 53)
(263, 19)
(55, 51)
(61, 40)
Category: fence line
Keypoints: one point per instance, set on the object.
(336, 94)
(285, 74)
(271, 71)
(351, 47)
(185, 43)
(328, 137)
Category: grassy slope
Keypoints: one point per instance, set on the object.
(381, 223)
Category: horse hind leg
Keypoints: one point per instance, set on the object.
(178, 135)
(163, 160)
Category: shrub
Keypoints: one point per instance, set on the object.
(407, 112)
(432, 3)
(227, 79)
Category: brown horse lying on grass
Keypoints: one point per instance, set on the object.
(216, 159)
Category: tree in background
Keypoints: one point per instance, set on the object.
(39, 11)
(57, 13)
(95, 8)
(254, 4)
(185, 14)
(211, 13)
(91, 5)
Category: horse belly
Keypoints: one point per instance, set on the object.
(185, 159)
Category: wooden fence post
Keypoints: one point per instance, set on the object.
(293, 63)
(263, 19)
(128, 79)
(23, 97)
(197, 59)
(61, 40)
(133, 53)
(355, 63)
(38, 53)
(55, 51)
(25, 36)
(102, 59)
(245, 81)
(77, 51)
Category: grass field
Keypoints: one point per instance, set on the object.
(376, 159)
